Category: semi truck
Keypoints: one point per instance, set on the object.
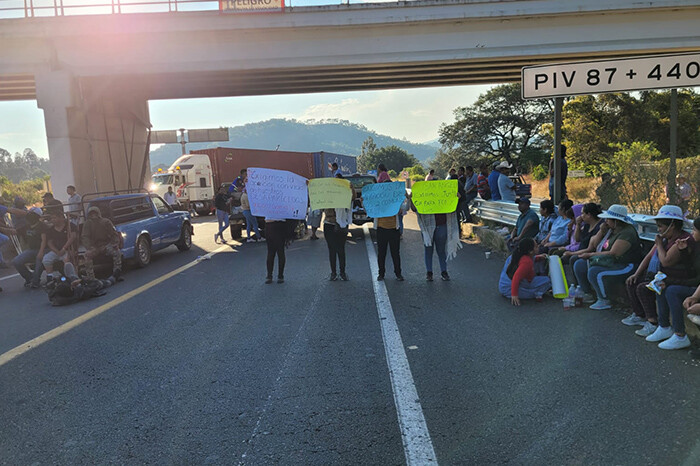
(196, 177)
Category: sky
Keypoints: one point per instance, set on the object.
(412, 114)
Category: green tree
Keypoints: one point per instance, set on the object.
(500, 125)
(393, 157)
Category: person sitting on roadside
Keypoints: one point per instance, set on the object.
(559, 232)
(586, 226)
(101, 237)
(662, 257)
(518, 279)
(671, 332)
(70, 288)
(34, 233)
(59, 238)
(527, 225)
(618, 258)
(4, 239)
(547, 217)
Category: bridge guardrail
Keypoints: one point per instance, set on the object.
(507, 213)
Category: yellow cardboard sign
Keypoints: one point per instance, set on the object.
(435, 197)
(330, 193)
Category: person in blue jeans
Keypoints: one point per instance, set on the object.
(251, 223)
(439, 232)
(222, 204)
(617, 260)
(670, 334)
(35, 233)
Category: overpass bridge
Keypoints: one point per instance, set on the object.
(94, 74)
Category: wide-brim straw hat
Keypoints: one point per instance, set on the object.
(617, 212)
(669, 212)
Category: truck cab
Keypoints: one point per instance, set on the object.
(191, 178)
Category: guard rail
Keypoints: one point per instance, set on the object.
(507, 213)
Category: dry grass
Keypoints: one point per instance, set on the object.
(579, 189)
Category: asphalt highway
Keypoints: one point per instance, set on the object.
(212, 366)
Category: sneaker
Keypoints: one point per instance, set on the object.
(250, 240)
(647, 330)
(344, 277)
(261, 239)
(280, 279)
(429, 276)
(399, 278)
(445, 276)
(632, 320)
(333, 277)
(216, 235)
(117, 274)
(588, 298)
(675, 342)
(380, 277)
(268, 280)
(660, 334)
(601, 304)
(694, 318)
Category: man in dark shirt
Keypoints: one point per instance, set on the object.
(34, 232)
(100, 237)
(59, 239)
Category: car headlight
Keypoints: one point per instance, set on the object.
(152, 187)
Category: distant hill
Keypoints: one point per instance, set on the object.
(337, 136)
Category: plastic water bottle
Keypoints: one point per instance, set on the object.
(567, 303)
(578, 297)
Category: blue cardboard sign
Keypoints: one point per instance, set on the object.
(383, 199)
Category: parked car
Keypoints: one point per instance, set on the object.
(357, 181)
(147, 224)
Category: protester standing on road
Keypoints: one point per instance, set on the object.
(388, 234)
(482, 182)
(335, 171)
(430, 176)
(679, 293)
(239, 182)
(100, 237)
(170, 197)
(74, 207)
(616, 261)
(470, 184)
(222, 202)
(59, 240)
(276, 236)
(663, 257)
(382, 174)
(313, 218)
(335, 230)
(34, 233)
(251, 223)
(518, 280)
(439, 233)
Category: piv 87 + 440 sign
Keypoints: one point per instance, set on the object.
(597, 77)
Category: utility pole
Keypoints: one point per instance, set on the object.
(671, 180)
(558, 106)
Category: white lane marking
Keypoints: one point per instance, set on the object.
(9, 276)
(61, 329)
(417, 445)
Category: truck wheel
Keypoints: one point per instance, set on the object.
(185, 241)
(143, 251)
(236, 231)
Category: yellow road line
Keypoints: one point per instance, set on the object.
(60, 330)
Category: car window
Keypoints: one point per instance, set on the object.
(161, 206)
(130, 209)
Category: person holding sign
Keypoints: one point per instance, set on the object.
(338, 216)
(386, 198)
(438, 222)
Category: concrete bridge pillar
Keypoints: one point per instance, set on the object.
(97, 133)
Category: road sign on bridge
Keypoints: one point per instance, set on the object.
(601, 76)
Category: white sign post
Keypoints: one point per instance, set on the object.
(598, 77)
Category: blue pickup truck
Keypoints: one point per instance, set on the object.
(147, 223)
